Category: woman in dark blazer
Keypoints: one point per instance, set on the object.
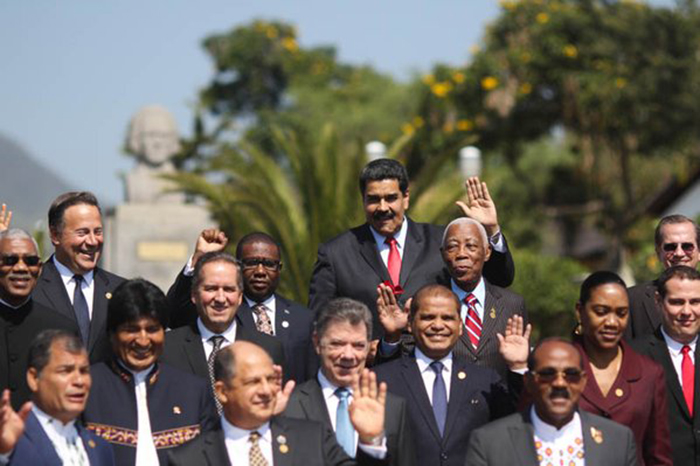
(622, 385)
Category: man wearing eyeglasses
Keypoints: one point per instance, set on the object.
(21, 318)
(676, 239)
(552, 430)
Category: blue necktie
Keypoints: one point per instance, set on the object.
(439, 396)
(344, 431)
(80, 306)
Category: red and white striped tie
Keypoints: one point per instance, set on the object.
(472, 322)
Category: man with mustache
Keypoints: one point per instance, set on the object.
(392, 249)
(552, 430)
(71, 283)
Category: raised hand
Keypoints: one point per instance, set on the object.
(11, 423)
(481, 207)
(515, 345)
(283, 394)
(209, 240)
(367, 407)
(5, 218)
(391, 316)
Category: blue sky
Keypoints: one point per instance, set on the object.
(73, 73)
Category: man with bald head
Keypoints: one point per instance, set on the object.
(247, 385)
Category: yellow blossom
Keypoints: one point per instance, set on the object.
(620, 83)
(465, 125)
(428, 79)
(652, 262)
(418, 122)
(458, 77)
(508, 4)
(407, 128)
(525, 88)
(542, 18)
(448, 127)
(570, 51)
(489, 82)
(271, 32)
(290, 44)
(441, 89)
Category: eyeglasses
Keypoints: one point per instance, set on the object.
(549, 375)
(686, 247)
(9, 260)
(267, 263)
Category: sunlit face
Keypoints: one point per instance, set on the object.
(139, 344)
(79, 244)
(436, 326)
(261, 269)
(464, 253)
(555, 401)
(17, 281)
(218, 295)
(343, 351)
(604, 316)
(679, 245)
(61, 389)
(385, 206)
(680, 309)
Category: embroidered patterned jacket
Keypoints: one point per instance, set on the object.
(180, 407)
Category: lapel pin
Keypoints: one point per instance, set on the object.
(475, 401)
(177, 410)
(285, 324)
(597, 435)
(461, 375)
(492, 314)
(281, 439)
(284, 449)
(108, 295)
(286, 311)
(91, 443)
(619, 392)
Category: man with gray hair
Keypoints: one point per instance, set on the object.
(342, 333)
(21, 318)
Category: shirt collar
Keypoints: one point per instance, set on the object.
(676, 346)
(236, 433)
(327, 387)
(550, 433)
(67, 274)
(400, 237)
(269, 303)
(6, 304)
(479, 291)
(229, 334)
(49, 422)
(424, 362)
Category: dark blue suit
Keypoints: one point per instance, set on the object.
(35, 448)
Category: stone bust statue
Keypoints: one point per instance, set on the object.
(153, 139)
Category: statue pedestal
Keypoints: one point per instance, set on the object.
(152, 241)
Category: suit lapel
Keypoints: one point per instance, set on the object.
(411, 251)
(313, 403)
(194, 352)
(594, 441)
(89, 445)
(414, 381)
(282, 456)
(368, 251)
(522, 436)
(55, 290)
(99, 307)
(282, 316)
(214, 448)
(650, 306)
(41, 442)
(488, 323)
(245, 316)
(458, 389)
(662, 356)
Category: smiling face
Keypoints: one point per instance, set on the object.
(343, 350)
(385, 206)
(464, 253)
(436, 326)
(138, 344)
(79, 243)
(680, 309)
(17, 281)
(679, 245)
(261, 269)
(604, 316)
(218, 295)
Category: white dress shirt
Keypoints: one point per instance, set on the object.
(479, 293)
(146, 453)
(65, 439)
(88, 284)
(270, 304)
(238, 444)
(558, 446)
(428, 374)
(674, 349)
(229, 336)
(384, 248)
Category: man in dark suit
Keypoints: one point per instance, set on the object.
(676, 239)
(342, 338)
(674, 345)
(247, 387)
(71, 283)
(552, 431)
(21, 318)
(390, 248)
(448, 397)
(49, 432)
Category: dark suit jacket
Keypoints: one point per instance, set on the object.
(35, 447)
(350, 266)
(685, 429)
(645, 317)
(51, 292)
(184, 349)
(309, 443)
(637, 400)
(510, 441)
(476, 398)
(307, 402)
(18, 327)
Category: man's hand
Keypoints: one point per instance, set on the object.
(5, 218)
(515, 345)
(209, 240)
(481, 207)
(367, 407)
(11, 423)
(283, 394)
(391, 316)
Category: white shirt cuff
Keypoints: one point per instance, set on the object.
(189, 268)
(377, 452)
(499, 245)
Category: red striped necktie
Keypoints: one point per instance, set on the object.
(472, 322)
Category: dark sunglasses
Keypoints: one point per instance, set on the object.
(549, 375)
(686, 247)
(12, 259)
(267, 263)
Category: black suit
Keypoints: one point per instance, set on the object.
(307, 402)
(308, 443)
(510, 441)
(645, 316)
(685, 429)
(51, 292)
(184, 348)
(18, 327)
(476, 398)
(350, 266)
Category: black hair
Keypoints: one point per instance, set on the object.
(384, 169)
(66, 200)
(136, 299)
(596, 279)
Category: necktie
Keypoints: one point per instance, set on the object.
(439, 396)
(80, 307)
(216, 341)
(264, 325)
(688, 375)
(255, 456)
(472, 322)
(344, 431)
(394, 262)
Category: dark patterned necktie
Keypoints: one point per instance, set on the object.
(255, 456)
(80, 307)
(216, 341)
(263, 324)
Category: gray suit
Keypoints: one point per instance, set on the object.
(645, 316)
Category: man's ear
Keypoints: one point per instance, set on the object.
(53, 233)
(33, 379)
(316, 342)
(487, 253)
(220, 392)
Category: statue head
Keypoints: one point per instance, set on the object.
(152, 135)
